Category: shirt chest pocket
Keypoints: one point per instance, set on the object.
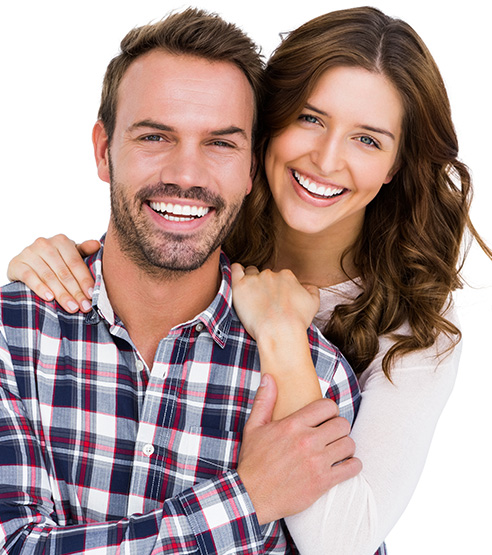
(209, 452)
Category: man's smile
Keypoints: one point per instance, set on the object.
(179, 212)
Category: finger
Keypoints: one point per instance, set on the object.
(237, 273)
(75, 275)
(317, 412)
(340, 450)
(345, 470)
(264, 403)
(251, 271)
(58, 277)
(334, 429)
(18, 271)
(42, 279)
(88, 247)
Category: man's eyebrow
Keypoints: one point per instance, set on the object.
(366, 127)
(231, 130)
(151, 124)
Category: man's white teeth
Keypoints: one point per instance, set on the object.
(179, 212)
(317, 189)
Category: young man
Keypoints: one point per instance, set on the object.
(120, 429)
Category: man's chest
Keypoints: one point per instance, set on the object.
(119, 438)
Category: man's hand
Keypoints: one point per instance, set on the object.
(286, 465)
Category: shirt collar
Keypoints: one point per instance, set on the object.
(216, 317)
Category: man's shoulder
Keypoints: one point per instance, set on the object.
(21, 308)
(323, 350)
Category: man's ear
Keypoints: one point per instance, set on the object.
(101, 150)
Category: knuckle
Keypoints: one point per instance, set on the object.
(78, 296)
(26, 275)
(348, 445)
(41, 242)
(64, 274)
(61, 238)
(343, 425)
(331, 408)
(47, 276)
(291, 427)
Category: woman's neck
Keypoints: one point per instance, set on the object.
(315, 259)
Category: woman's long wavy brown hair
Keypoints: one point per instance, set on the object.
(409, 252)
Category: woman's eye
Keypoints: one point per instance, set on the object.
(308, 118)
(369, 141)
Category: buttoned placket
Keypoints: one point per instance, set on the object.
(159, 399)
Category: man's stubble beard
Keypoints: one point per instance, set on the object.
(159, 253)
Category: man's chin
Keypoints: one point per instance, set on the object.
(155, 262)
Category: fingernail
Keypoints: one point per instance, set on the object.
(72, 306)
(91, 292)
(264, 380)
(86, 305)
(49, 296)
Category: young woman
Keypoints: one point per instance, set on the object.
(360, 193)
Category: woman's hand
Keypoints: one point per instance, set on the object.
(53, 268)
(276, 310)
(266, 300)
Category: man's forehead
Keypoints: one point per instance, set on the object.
(163, 83)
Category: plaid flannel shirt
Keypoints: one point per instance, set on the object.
(100, 454)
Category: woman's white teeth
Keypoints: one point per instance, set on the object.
(179, 212)
(316, 189)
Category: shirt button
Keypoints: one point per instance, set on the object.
(199, 327)
(148, 449)
(139, 365)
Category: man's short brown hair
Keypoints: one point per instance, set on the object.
(191, 32)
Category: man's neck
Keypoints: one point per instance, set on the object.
(150, 305)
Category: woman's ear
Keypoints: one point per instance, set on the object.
(101, 150)
(392, 173)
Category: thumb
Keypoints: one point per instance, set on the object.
(237, 273)
(88, 247)
(264, 403)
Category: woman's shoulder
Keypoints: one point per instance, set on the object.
(334, 295)
(437, 364)
(442, 357)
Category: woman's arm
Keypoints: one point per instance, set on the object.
(54, 269)
(393, 432)
(277, 310)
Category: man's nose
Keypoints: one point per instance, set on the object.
(186, 166)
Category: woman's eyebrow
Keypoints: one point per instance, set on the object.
(363, 126)
(378, 130)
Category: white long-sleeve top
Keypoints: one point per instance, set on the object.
(392, 432)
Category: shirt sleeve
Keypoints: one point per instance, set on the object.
(214, 516)
(392, 432)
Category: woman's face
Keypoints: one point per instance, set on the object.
(325, 167)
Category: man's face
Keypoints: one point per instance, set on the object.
(180, 159)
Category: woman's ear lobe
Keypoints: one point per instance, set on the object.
(391, 174)
(101, 150)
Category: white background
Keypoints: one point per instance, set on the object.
(54, 54)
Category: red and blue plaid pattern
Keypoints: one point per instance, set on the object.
(100, 454)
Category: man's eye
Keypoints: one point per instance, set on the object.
(223, 144)
(152, 138)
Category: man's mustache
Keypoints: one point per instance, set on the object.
(173, 190)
